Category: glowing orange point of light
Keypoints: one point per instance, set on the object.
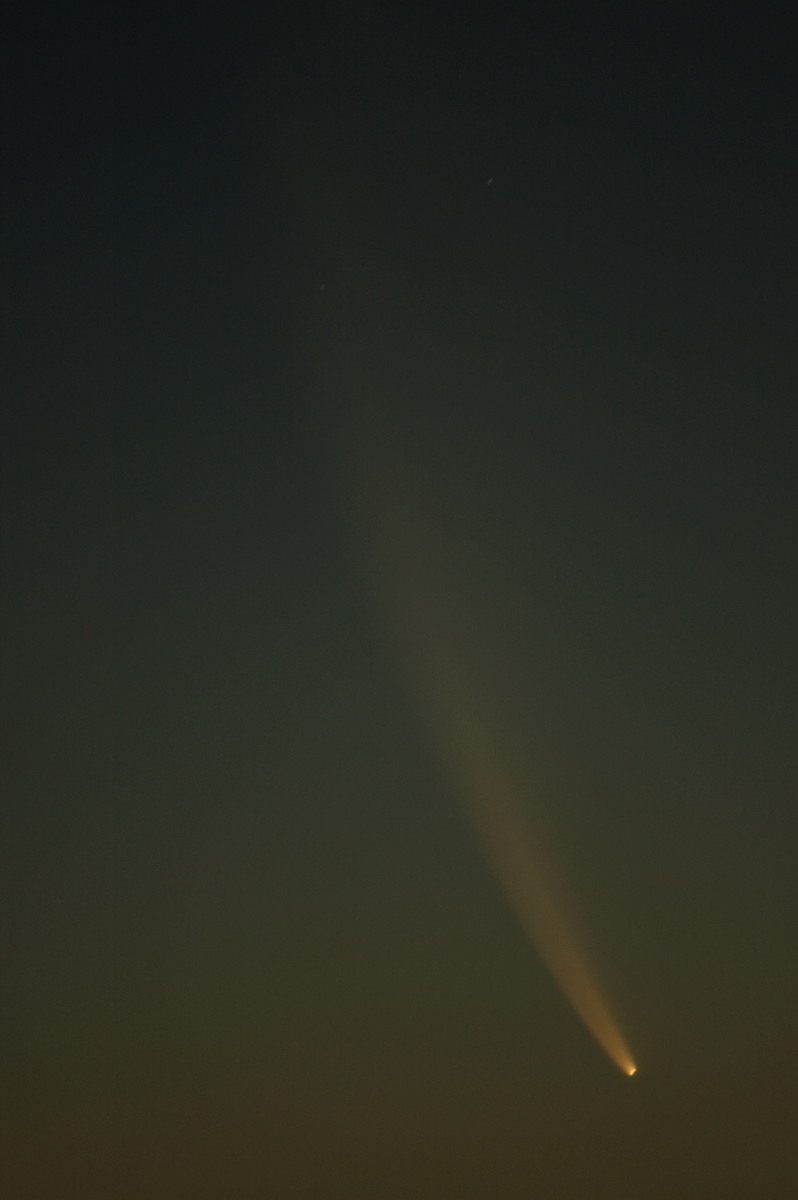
(631, 1071)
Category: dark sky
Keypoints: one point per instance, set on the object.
(272, 283)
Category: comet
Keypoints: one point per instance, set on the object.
(393, 530)
(403, 563)
(502, 825)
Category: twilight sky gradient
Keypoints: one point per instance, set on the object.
(347, 350)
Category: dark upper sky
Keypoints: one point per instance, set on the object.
(532, 275)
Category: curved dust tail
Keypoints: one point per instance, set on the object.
(397, 536)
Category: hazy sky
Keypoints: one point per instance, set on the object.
(398, 526)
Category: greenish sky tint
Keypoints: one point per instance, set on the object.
(251, 945)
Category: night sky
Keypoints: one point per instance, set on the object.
(348, 350)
